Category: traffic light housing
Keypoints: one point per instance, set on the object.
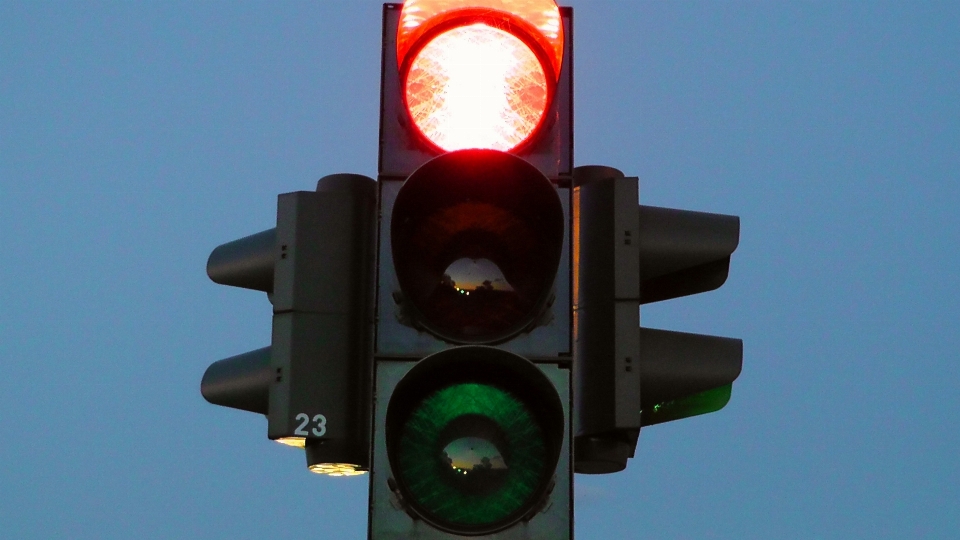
(630, 377)
(472, 350)
(467, 327)
(314, 382)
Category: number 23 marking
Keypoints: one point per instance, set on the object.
(319, 430)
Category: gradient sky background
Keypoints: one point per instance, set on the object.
(137, 136)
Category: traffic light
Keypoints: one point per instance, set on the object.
(314, 382)
(473, 334)
(629, 377)
(467, 327)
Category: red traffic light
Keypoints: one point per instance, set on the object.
(479, 73)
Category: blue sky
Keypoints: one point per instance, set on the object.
(135, 137)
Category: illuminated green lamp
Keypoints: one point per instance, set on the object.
(473, 436)
(695, 405)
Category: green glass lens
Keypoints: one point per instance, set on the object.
(471, 455)
(702, 403)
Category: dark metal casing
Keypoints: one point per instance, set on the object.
(315, 380)
(626, 377)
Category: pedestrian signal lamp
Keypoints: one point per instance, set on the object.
(473, 334)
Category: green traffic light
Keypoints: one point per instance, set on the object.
(474, 436)
(472, 455)
(697, 404)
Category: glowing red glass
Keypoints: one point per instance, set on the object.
(542, 17)
(476, 87)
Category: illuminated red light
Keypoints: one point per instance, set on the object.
(476, 87)
(479, 72)
(541, 17)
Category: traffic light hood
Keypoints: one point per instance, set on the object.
(247, 262)
(684, 252)
(240, 382)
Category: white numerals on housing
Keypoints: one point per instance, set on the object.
(318, 430)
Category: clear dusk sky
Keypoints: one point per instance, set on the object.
(137, 136)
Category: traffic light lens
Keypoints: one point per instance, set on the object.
(473, 435)
(701, 403)
(471, 455)
(476, 86)
(476, 239)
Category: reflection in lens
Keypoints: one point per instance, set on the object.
(472, 455)
(468, 455)
(467, 276)
(476, 465)
(474, 297)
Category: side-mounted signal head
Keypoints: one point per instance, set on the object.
(479, 73)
